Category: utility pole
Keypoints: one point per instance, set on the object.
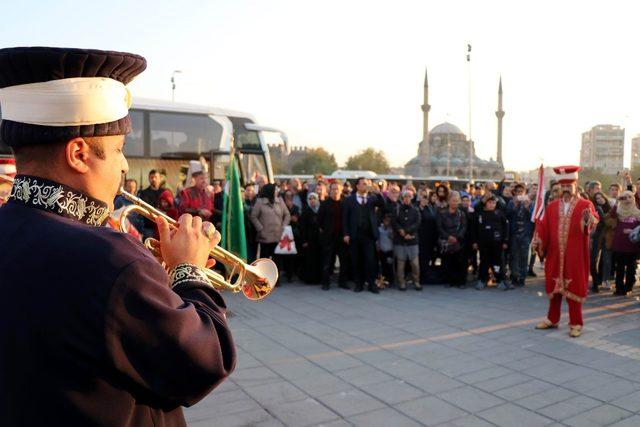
(499, 115)
(173, 84)
(469, 100)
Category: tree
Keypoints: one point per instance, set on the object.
(276, 165)
(317, 160)
(369, 159)
(595, 174)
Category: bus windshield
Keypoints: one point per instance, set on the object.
(252, 164)
(179, 134)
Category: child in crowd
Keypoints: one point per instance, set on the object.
(385, 248)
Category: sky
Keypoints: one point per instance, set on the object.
(347, 75)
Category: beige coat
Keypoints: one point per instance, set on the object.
(269, 219)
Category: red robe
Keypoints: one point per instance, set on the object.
(565, 240)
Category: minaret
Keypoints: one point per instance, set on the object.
(424, 145)
(500, 115)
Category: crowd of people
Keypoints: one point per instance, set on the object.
(385, 235)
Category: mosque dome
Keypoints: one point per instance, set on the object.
(446, 128)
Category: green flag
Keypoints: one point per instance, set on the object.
(233, 235)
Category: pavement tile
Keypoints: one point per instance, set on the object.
(375, 356)
(272, 393)
(318, 385)
(363, 375)
(434, 382)
(470, 399)
(568, 375)
(337, 363)
(628, 422)
(302, 413)
(219, 404)
(520, 391)
(468, 421)
(402, 368)
(630, 402)
(430, 410)
(295, 369)
(570, 407)
(394, 391)
(613, 390)
(603, 415)
(510, 415)
(256, 417)
(484, 374)
(351, 402)
(383, 418)
(337, 423)
(504, 381)
(590, 382)
(459, 366)
(255, 376)
(546, 398)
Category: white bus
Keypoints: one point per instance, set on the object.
(166, 136)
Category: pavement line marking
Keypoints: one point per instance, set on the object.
(476, 331)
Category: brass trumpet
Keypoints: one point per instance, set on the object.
(255, 280)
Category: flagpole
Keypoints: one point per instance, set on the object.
(227, 205)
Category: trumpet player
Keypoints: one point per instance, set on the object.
(93, 330)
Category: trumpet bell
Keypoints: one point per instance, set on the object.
(266, 269)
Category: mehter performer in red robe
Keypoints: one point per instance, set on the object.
(562, 236)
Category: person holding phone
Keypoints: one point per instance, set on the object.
(519, 212)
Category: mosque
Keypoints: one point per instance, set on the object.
(445, 150)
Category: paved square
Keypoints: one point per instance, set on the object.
(442, 356)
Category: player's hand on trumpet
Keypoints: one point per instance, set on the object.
(190, 243)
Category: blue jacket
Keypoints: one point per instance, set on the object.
(520, 225)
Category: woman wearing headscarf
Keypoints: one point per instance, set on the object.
(625, 252)
(311, 271)
(269, 217)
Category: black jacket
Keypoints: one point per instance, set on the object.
(428, 231)
(91, 332)
(491, 227)
(452, 224)
(350, 217)
(407, 219)
(330, 220)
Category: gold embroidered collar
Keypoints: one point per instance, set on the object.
(58, 198)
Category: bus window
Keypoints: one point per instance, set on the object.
(134, 146)
(252, 164)
(243, 137)
(173, 133)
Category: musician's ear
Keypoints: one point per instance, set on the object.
(76, 154)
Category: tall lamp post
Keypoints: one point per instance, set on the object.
(469, 99)
(173, 84)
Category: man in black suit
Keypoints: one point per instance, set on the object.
(330, 220)
(360, 228)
